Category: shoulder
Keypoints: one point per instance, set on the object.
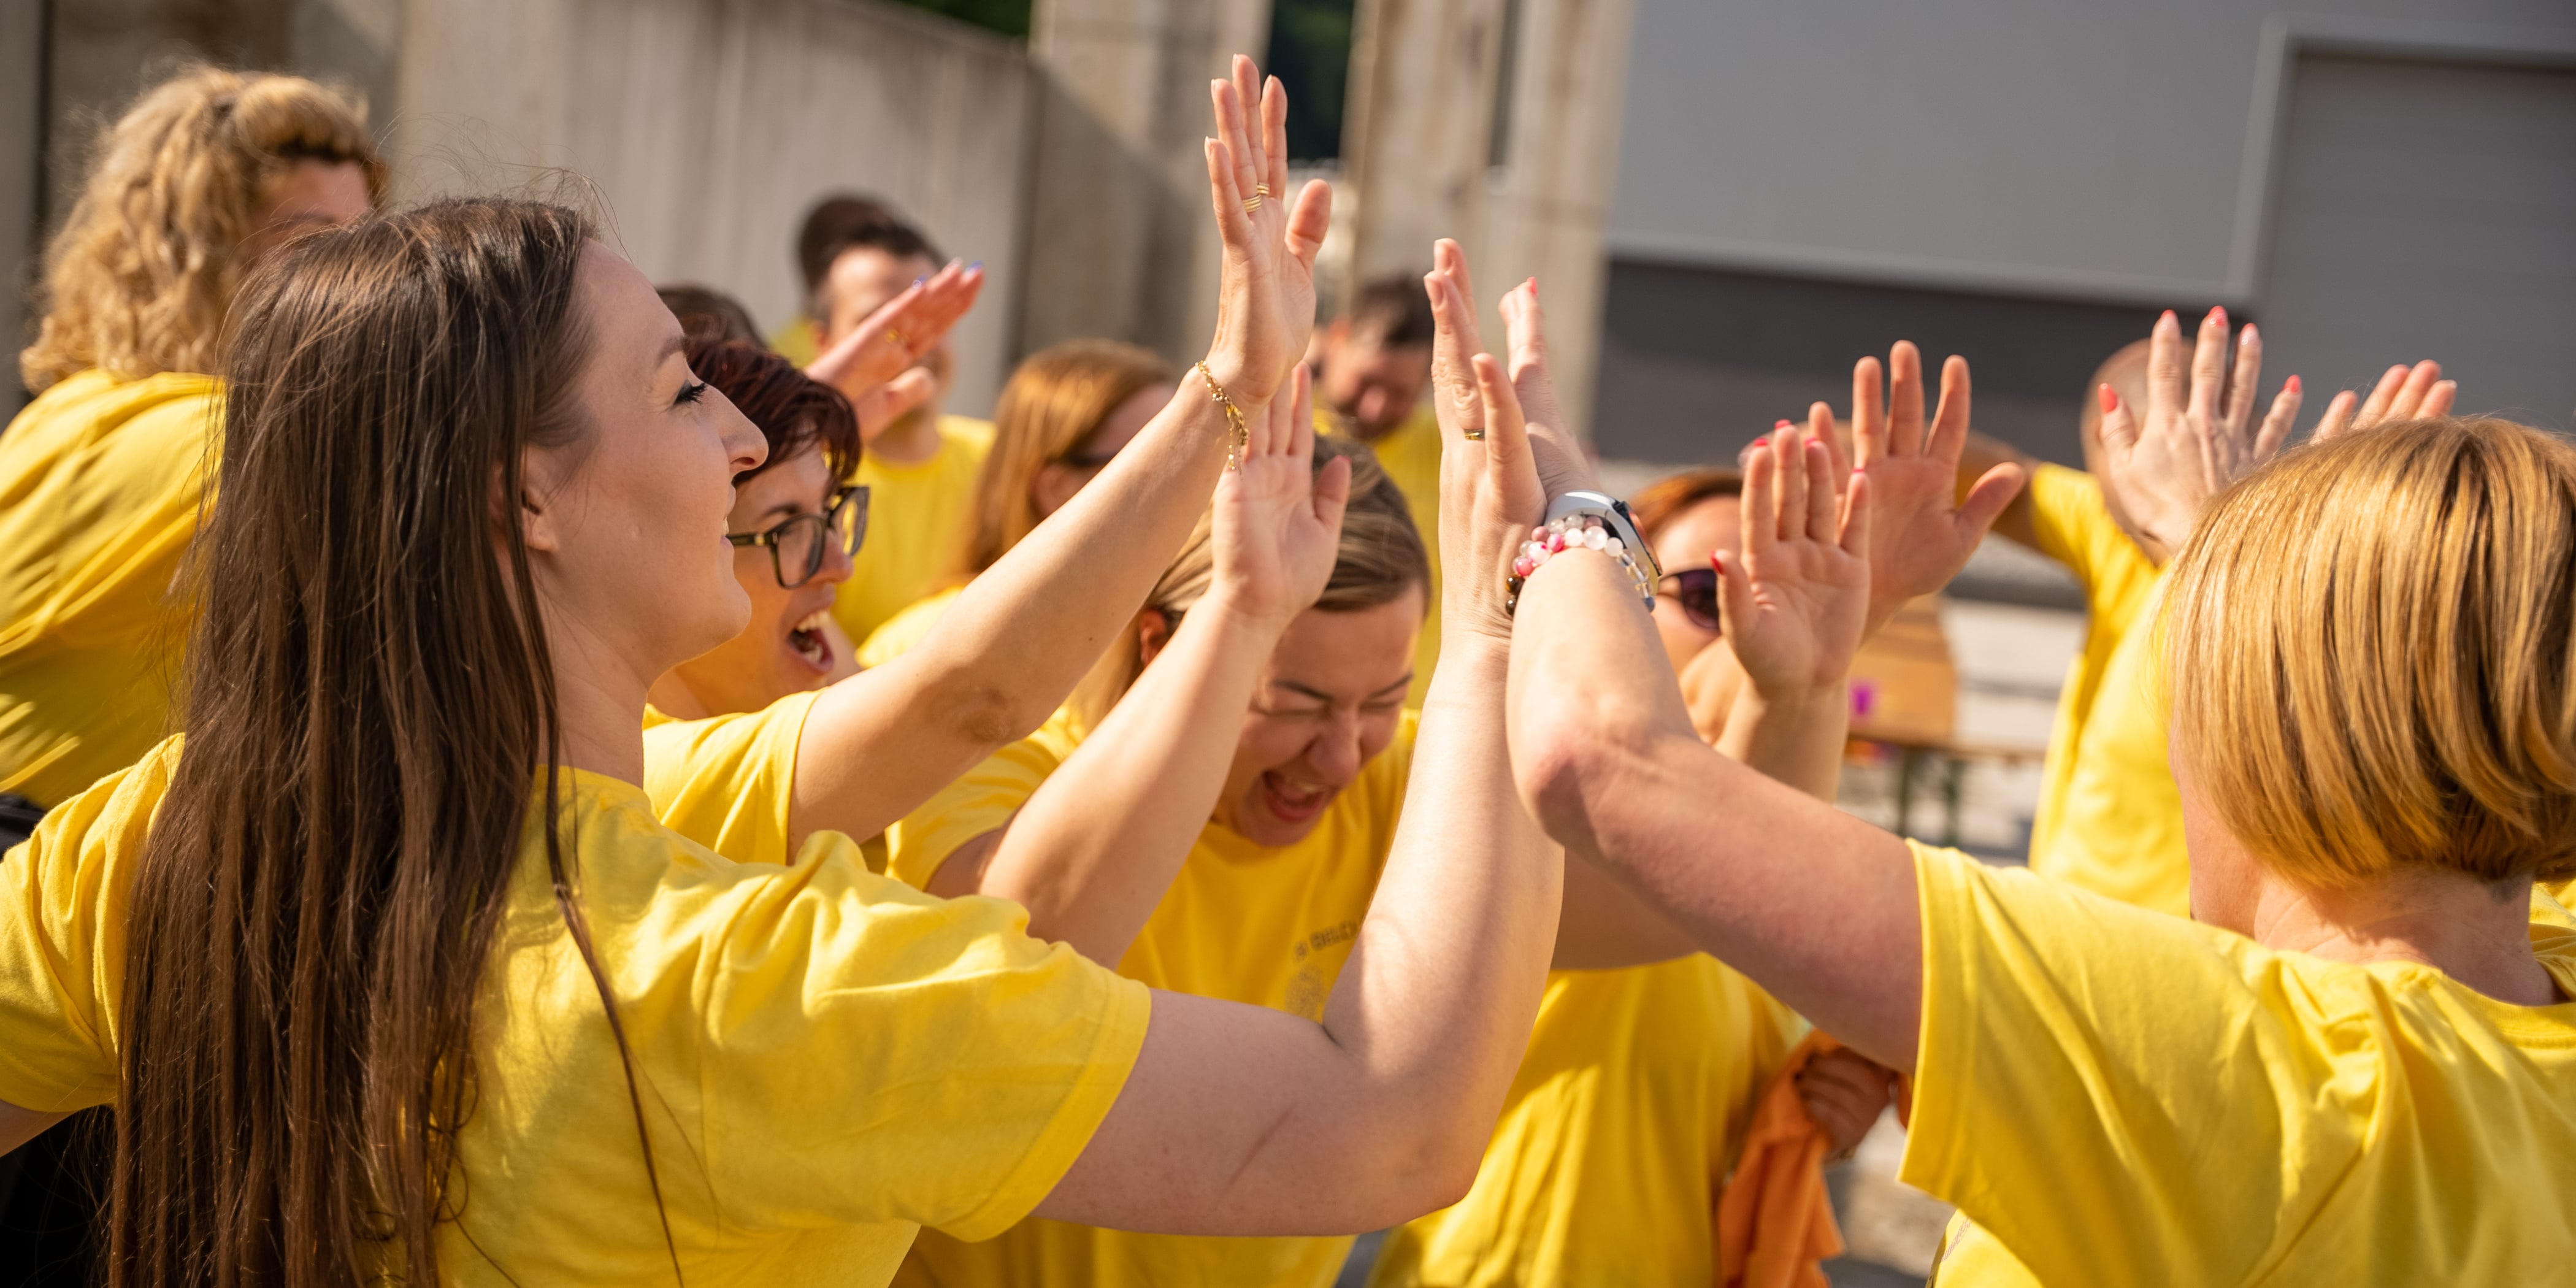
(966, 434)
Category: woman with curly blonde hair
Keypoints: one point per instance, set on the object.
(100, 476)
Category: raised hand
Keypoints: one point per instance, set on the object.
(1490, 494)
(1266, 299)
(876, 366)
(1924, 531)
(2404, 393)
(1277, 521)
(1562, 464)
(1795, 601)
(2198, 433)
(1843, 1092)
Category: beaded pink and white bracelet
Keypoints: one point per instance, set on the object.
(1586, 531)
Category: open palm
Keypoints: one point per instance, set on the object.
(1277, 521)
(1925, 529)
(1797, 598)
(1266, 298)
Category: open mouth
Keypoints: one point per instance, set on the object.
(810, 643)
(1293, 801)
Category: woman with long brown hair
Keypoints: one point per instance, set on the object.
(100, 476)
(390, 968)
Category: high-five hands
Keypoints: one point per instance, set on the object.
(1924, 530)
(1561, 462)
(1277, 521)
(1796, 600)
(1491, 493)
(2197, 433)
(1266, 299)
(877, 365)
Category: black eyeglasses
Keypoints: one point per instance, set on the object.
(1695, 589)
(800, 543)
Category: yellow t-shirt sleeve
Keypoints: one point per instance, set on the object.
(62, 939)
(981, 801)
(879, 1054)
(2097, 1086)
(728, 783)
(2075, 528)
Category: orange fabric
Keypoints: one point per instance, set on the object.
(1774, 1221)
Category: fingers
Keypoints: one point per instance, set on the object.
(1986, 500)
(2208, 367)
(2375, 408)
(1869, 419)
(1506, 440)
(1791, 520)
(888, 402)
(1245, 77)
(1233, 133)
(1856, 517)
(1525, 332)
(1761, 507)
(1301, 414)
(1461, 409)
(2242, 384)
(1949, 435)
(1232, 223)
(2411, 395)
(1274, 134)
(2119, 424)
(1818, 521)
(1309, 220)
(2338, 416)
(1333, 492)
(2277, 423)
(1904, 400)
(1448, 258)
(1821, 427)
(2166, 395)
(2438, 401)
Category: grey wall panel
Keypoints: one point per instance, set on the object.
(2081, 147)
(2426, 209)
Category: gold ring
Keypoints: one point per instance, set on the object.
(1261, 190)
(1251, 204)
(893, 336)
(1476, 435)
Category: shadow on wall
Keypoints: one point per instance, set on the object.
(1696, 362)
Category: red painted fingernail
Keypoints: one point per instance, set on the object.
(2168, 317)
(1780, 424)
(2218, 314)
(2109, 399)
(2291, 384)
(1763, 441)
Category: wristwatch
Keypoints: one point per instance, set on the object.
(1614, 515)
(1591, 521)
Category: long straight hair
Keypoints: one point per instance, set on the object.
(370, 708)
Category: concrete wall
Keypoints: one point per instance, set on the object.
(706, 127)
(2089, 148)
(22, 147)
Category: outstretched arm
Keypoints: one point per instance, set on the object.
(1092, 852)
(1815, 906)
(1244, 1120)
(1024, 633)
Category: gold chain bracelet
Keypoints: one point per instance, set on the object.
(1237, 437)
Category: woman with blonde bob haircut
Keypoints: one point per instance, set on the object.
(2357, 1065)
(1064, 414)
(100, 476)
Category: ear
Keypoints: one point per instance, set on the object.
(527, 510)
(1152, 633)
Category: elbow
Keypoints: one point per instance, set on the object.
(1433, 1171)
(1565, 753)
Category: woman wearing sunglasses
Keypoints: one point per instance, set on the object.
(794, 528)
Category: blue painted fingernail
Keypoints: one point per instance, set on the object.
(976, 265)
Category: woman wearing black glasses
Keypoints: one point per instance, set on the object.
(794, 529)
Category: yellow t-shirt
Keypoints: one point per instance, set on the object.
(2109, 816)
(1627, 1115)
(2113, 1097)
(1242, 922)
(830, 1059)
(729, 782)
(917, 516)
(797, 342)
(905, 629)
(1410, 455)
(99, 485)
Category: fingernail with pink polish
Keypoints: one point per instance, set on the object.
(2109, 399)
(2292, 384)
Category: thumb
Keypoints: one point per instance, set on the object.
(1333, 492)
(2119, 427)
(887, 403)
(1734, 591)
(1986, 500)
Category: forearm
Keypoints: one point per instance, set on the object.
(1018, 639)
(1815, 906)
(1094, 849)
(1466, 909)
(1796, 739)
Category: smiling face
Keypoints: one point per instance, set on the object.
(1328, 703)
(626, 524)
(785, 649)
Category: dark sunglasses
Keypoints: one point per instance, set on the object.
(1695, 589)
(797, 546)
